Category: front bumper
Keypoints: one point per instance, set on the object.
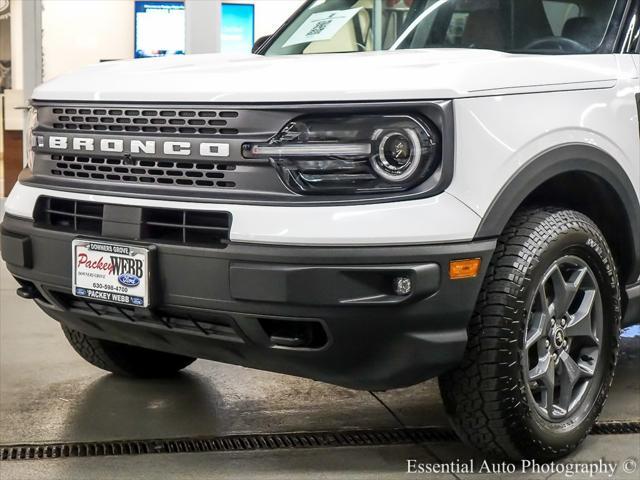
(327, 313)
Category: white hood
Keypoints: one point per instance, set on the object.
(398, 75)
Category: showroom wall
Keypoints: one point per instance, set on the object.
(76, 33)
(270, 14)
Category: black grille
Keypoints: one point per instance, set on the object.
(209, 325)
(146, 120)
(188, 173)
(69, 215)
(161, 172)
(187, 227)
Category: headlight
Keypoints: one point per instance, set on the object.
(352, 154)
(32, 123)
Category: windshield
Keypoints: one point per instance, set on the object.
(517, 26)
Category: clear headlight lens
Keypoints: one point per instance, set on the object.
(32, 123)
(352, 154)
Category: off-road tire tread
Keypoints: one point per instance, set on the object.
(125, 360)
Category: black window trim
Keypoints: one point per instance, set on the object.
(632, 9)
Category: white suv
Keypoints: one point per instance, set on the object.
(387, 191)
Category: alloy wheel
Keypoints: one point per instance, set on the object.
(563, 338)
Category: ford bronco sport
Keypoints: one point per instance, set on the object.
(385, 192)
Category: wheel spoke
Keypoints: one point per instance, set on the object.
(557, 412)
(586, 370)
(580, 323)
(545, 372)
(588, 361)
(565, 292)
(541, 370)
(539, 321)
(533, 337)
(536, 330)
(546, 401)
(547, 308)
(569, 376)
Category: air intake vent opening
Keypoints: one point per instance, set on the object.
(69, 215)
(200, 174)
(204, 219)
(187, 226)
(158, 121)
(294, 333)
(159, 225)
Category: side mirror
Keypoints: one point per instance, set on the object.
(259, 43)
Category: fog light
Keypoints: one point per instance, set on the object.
(402, 286)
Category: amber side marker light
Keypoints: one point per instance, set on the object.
(459, 269)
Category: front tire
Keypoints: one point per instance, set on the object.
(125, 360)
(543, 340)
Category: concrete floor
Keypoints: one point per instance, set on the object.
(47, 393)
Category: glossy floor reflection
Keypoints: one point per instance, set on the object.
(47, 393)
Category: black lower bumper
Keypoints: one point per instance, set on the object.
(324, 313)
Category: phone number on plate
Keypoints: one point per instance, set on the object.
(110, 288)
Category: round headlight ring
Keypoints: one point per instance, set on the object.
(399, 154)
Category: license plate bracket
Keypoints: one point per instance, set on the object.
(112, 272)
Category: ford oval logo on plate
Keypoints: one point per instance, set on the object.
(128, 280)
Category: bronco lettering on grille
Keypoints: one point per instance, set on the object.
(111, 145)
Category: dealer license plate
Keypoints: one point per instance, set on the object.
(111, 272)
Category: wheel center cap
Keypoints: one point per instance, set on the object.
(558, 338)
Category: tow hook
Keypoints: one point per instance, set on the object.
(28, 292)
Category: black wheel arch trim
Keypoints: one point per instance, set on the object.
(565, 159)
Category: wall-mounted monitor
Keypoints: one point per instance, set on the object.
(238, 28)
(159, 29)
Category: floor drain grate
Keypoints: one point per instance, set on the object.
(236, 443)
(615, 428)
